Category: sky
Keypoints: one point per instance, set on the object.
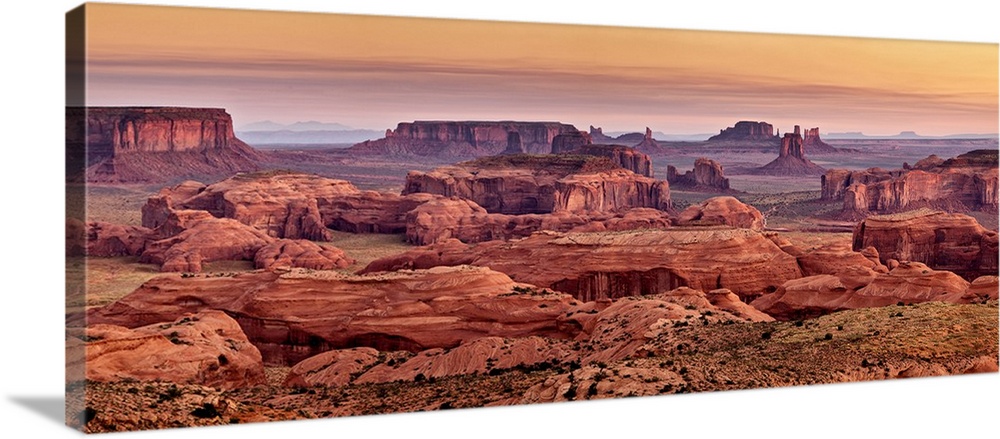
(373, 72)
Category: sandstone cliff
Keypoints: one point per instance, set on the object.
(966, 182)
(148, 144)
(449, 139)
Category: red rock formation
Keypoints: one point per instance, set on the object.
(143, 144)
(726, 211)
(446, 218)
(290, 205)
(522, 184)
(593, 266)
(610, 191)
(943, 241)
(967, 182)
(214, 239)
(707, 175)
(447, 139)
(626, 157)
(108, 239)
(910, 282)
(332, 368)
(295, 315)
(616, 332)
(477, 356)
(835, 182)
(746, 131)
(597, 135)
(288, 253)
(814, 144)
(207, 348)
(791, 159)
(648, 143)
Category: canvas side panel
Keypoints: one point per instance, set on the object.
(76, 159)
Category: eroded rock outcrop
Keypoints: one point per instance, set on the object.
(593, 266)
(288, 253)
(206, 348)
(449, 139)
(301, 313)
(953, 242)
(966, 182)
(147, 144)
(722, 211)
(707, 175)
(446, 218)
(290, 205)
(628, 158)
(524, 184)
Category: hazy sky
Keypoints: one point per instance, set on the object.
(373, 72)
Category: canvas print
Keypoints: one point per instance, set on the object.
(279, 215)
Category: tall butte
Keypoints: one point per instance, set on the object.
(791, 158)
(156, 144)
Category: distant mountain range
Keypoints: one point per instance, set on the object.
(660, 135)
(303, 133)
(906, 135)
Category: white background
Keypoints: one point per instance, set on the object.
(31, 151)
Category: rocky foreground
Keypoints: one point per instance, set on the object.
(699, 351)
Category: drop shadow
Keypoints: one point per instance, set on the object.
(51, 407)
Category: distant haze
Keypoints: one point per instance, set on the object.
(372, 72)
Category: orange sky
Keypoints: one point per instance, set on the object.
(372, 72)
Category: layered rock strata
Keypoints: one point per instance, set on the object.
(966, 182)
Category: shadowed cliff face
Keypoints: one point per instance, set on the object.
(122, 130)
(966, 182)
